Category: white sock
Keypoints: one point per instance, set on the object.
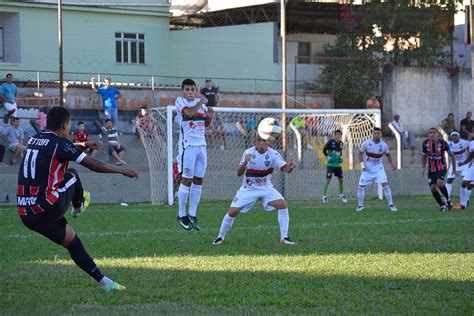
(360, 195)
(105, 281)
(462, 195)
(183, 193)
(388, 194)
(227, 222)
(284, 222)
(194, 198)
(467, 194)
(449, 187)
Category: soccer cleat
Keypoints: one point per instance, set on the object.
(184, 222)
(343, 198)
(325, 199)
(114, 287)
(442, 208)
(458, 207)
(359, 208)
(449, 204)
(76, 212)
(287, 241)
(393, 208)
(194, 222)
(218, 241)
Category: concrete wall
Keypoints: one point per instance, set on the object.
(424, 97)
(10, 22)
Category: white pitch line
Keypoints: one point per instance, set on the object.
(258, 227)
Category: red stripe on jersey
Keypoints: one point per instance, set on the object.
(34, 191)
(21, 190)
(283, 167)
(458, 152)
(373, 155)
(53, 166)
(254, 171)
(37, 209)
(21, 211)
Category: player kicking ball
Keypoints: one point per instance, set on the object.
(46, 188)
(373, 169)
(460, 149)
(257, 165)
(333, 152)
(194, 116)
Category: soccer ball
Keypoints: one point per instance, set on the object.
(269, 129)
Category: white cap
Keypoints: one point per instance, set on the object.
(455, 133)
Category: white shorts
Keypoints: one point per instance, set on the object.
(245, 198)
(192, 162)
(368, 177)
(460, 170)
(469, 174)
(9, 107)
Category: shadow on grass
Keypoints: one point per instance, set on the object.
(44, 288)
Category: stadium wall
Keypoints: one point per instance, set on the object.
(424, 97)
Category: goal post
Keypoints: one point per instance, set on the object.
(234, 129)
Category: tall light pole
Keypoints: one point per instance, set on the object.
(283, 69)
(60, 45)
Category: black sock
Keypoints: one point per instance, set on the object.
(83, 260)
(78, 196)
(437, 197)
(445, 192)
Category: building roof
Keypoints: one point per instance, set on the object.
(302, 17)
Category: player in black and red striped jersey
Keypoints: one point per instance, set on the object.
(434, 150)
(46, 188)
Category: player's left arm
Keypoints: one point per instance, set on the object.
(191, 111)
(289, 167)
(451, 157)
(389, 158)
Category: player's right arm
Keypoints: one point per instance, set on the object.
(102, 167)
(325, 149)
(243, 164)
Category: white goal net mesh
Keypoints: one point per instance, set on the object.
(233, 130)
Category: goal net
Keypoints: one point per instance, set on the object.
(234, 129)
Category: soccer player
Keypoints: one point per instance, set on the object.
(468, 181)
(257, 165)
(333, 152)
(46, 188)
(460, 149)
(193, 117)
(433, 151)
(373, 169)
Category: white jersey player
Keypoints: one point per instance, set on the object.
(193, 117)
(373, 169)
(460, 149)
(468, 181)
(257, 165)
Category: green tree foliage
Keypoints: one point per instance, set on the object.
(376, 34)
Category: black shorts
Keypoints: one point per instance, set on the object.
(51, 223)
(433, 177)
(114, 148)
(337, 171)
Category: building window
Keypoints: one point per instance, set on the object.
(304, 52)
(130, 48)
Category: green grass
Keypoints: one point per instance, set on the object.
(416, 261)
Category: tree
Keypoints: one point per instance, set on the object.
(377, 34)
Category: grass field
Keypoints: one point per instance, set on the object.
(416, 261)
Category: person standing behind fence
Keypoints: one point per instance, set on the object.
(405, 135)
(467, 125)
(448, 124)
(8, 92)
(211, 93)
(109, 95)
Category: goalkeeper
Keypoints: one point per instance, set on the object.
(333, 152)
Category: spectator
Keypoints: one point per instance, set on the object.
(405, 135)
(466, 126)
(14, 137)
(8, 92)
(216, 131)
(251, 129)
(116, 149)
(211, 93)
(146, 125)
(372, 103)
(81, 137)
(448, 124)
(39, 123)
(298, 123)
(109, 95)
